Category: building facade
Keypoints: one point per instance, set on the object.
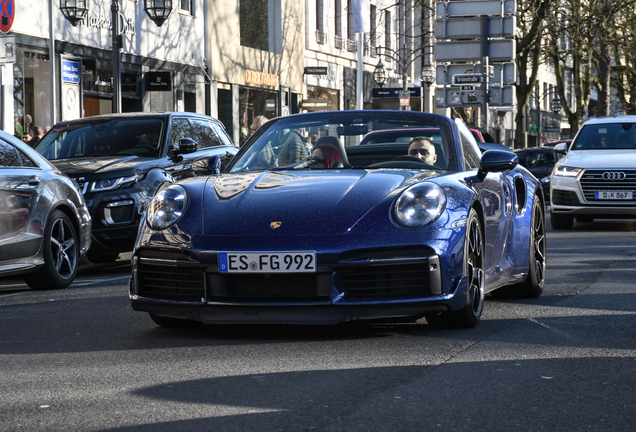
(162, 68)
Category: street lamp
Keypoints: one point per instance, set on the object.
(404, 57)
(428, 74)
(76, 10)
(158, 10)
(379, 74)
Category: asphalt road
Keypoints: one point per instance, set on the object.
(82, 360)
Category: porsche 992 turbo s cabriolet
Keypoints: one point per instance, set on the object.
(381, 231)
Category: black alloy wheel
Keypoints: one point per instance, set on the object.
(474, 273)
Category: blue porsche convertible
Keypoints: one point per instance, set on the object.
(415, 223)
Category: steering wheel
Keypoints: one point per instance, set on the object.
(409, 158)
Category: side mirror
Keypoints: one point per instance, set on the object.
(187, 145)
(561, 148)
(497, 161)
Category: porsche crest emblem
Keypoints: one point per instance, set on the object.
(275, 225)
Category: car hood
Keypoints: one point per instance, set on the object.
(301, 203)
(103, 167)
(592, 159)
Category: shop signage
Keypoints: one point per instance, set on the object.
(315, 104)
(316, 70)
(129, 82)
(415, 92)
(70, 71)
(270, 105)
(158, 81)
(71, 94)
(260, 78)
(7, 12)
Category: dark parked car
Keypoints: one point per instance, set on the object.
(539, 161)
(121, 160)
(373, 234)
(482, 136)
(44, 223)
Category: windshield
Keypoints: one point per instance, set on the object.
(114, 137)
(350, 139)
(608, 136)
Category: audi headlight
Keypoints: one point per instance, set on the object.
(566, 171)
(419, 205)
(110, 184)
(167, 207)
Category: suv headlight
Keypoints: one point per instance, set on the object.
(419, 205)
(566, 171)
(110, 184)
(167, 207)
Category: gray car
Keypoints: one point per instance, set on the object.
(44, 223)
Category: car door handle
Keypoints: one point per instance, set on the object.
(34, 181)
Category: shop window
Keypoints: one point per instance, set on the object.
(254, 23)
(31, 90)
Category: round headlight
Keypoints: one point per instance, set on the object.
(420, 205)
(167, 207)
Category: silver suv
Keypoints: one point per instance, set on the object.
(597, 176)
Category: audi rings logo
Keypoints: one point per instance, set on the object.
(614, 175)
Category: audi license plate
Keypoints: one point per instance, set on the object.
(265, 262)
(607, 195)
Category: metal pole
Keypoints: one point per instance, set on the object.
(539, 125)
(116, 37)
(360, 86)
(484, 71)
(52, 65)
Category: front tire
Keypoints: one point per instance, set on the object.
(561, 222)
(474, 271)
(61, 254)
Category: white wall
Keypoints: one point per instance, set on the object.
(179, 39)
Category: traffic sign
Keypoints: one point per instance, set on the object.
(476, 7)
(7, 49)
(460, 79)
(467, 28)
(502, 71)
(7, 13)
(502, 50)
(453, 95)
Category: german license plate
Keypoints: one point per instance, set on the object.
(613, 195)
(266, 262)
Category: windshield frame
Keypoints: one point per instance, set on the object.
(349, 126)
(102, 138)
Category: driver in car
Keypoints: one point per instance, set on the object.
(423, 149)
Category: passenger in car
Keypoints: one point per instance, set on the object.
(606, 142)
(325, 155)
(422, 148)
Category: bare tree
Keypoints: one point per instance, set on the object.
(531, 19)
(623, 48)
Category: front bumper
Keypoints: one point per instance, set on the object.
(173, 284)
(575, 196)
